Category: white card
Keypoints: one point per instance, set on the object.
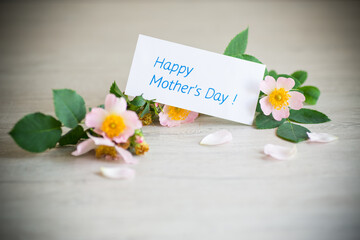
(195, 79)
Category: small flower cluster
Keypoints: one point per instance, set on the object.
(114, 131)
(116, 127)
(150, 111)
(118, 132)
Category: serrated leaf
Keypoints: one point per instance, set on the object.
(69, 107)
(114, 89)
(305, 115)
(292, 132)
(36, 132)
(266, 122)
(138, 101)
(238, 44)
(251, 59)
(301, 76)
(311, 94)
(273, 73)
(297, 83)
(73, 136)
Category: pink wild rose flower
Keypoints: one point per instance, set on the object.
(114, 122)
(279, 98)
(174, 116)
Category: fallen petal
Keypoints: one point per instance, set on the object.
(118, 172)
(216, 138)
(321, 137)
(279, 152)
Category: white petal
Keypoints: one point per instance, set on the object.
(118, 172)
(279, 152)
(216, 138)
(321, 137)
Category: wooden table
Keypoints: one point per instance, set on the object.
(182, 190)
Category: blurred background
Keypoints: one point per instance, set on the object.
(44, 43)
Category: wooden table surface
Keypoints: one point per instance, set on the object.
(182, 190)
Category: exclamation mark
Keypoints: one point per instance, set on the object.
(234, 99)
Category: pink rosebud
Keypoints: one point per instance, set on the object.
(139, 139)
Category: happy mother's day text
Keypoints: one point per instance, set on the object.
(182, 71)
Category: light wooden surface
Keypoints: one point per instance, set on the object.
(182, 190)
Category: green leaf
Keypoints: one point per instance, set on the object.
(138, 101)
(266, 122)
(251, 59)
(305, 115)
(69, 107)
(311, 94)
(238, 44)
(297, 83)
(133, 108)
(36, 132)
(146, 110)
(258, 107)
(73, 136)
(301, 76)
(114, 89)
(292, 132)
(273, 74)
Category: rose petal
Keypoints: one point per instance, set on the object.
(296, 100)
(118, 172)
(84, 147)
(126, 155)
(131, 120)
(268, 85)
(191, 117)
(165, 121)
(280, 152)
(95, 118)
(286, 83)
(110, 101)
(102, 141)
(280, 114)
(217, 138)
(265, 105)
(114, 104)
(321, 137)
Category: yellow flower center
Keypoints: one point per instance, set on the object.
(279, 98)
(103, 150)
(177, 114)
(113, 125)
